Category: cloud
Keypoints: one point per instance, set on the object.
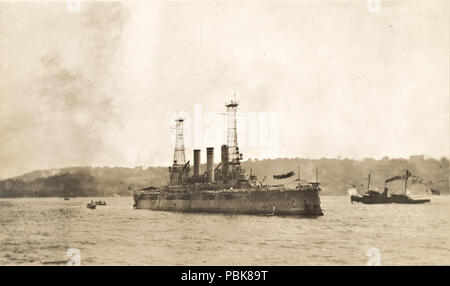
(70, 98)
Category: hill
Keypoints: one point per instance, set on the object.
(335, 175)
(82, 181)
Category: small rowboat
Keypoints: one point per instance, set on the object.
(91, 206)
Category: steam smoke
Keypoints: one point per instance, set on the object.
(70, 99)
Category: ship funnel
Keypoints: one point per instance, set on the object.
(209, 164)
(196, 163)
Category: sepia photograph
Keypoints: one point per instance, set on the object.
(224, 133)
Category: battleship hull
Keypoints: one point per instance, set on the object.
(269, 202)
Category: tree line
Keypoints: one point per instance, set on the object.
(334, 175)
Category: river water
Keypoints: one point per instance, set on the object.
(40, 231)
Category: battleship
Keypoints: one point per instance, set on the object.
(226, 188)
(374, 197)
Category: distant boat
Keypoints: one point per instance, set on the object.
(352, 191)
(435, 192)
(374, 197)
(91, 205)
(100, 203)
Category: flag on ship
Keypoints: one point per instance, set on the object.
(283, 176)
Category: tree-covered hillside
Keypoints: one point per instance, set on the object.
(335, 175)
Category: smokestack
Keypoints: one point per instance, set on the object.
(209, 164)
(196, 163)
(224, 161)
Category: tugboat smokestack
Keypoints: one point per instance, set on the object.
(209, 164)
(196, 163)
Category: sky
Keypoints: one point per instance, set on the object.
(99, 84)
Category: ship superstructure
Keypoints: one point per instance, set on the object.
(225, 187)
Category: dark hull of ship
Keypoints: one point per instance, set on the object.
(268, 202)
(387, 200)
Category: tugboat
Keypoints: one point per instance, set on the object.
(374, 197)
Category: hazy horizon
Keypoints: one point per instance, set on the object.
(217, 160)
(100, 86)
